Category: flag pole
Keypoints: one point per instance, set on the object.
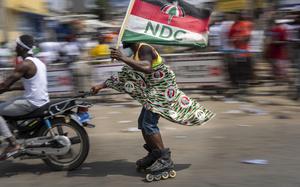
(125, 21)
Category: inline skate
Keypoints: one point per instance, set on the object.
(148, 160)
(162, 168)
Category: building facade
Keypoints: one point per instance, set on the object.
(19, 17)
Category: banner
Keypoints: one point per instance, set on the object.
(166, 22)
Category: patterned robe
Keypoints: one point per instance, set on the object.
(159, 93)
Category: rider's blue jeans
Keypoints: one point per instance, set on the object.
(14, 107)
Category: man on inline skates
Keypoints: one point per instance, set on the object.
(145, 59)
(148, 80)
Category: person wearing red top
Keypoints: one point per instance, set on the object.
(240, 66)
(277, 51)
(240, 34)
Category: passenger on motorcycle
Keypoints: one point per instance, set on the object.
(33, 74)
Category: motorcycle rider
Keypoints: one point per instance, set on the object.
(33, 74)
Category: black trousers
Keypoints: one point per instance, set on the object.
(240, 70)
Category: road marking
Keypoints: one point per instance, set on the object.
(101, 117)
(245, 125)
(181, 137)
(131, 129)
(170, 128)
(117, 106)
(124, 121)
(114, 112)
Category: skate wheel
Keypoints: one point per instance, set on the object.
(172, 174)
(157, 177)
(149, 178)
(165, 175)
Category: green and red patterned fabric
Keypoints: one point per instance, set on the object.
(159, 93)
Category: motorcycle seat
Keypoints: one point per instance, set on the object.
(41, 112)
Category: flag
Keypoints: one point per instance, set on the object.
(166, 22)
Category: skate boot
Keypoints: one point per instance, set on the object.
(148, 160)
(162, 168)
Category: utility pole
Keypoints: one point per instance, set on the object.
(3, 25)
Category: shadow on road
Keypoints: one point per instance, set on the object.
(9, 169)
(92, 169)
(114, 167)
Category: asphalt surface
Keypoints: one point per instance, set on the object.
(205, 156)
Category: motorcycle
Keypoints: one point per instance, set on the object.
(54, 133)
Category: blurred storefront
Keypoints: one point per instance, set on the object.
(236, 5)
(231, 5)
(24, 16)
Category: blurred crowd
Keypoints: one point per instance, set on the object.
(272, 38)
(67, 49)
(75, 47)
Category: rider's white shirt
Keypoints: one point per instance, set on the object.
(36, 91)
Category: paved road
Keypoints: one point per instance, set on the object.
(206, 156)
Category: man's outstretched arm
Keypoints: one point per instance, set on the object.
(95, 89)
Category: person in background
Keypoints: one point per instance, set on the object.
(214, 34)
(224, 32)
(240, 67)
(100, 50)
(276, 51)
(225, 46)
(5, 55)
(70, 51)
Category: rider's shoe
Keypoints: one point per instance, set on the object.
(10, 151)
(84, 117)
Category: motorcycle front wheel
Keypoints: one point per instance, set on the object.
(79, 145)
